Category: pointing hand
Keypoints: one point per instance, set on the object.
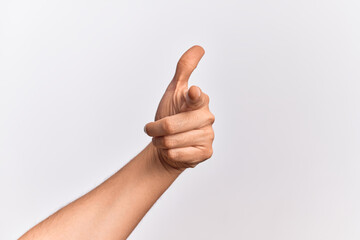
(182, 131)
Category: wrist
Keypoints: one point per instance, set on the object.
(159, 163)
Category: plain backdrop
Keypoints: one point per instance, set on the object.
(80, 79)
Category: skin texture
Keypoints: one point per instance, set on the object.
(182, 137)
(185, 139)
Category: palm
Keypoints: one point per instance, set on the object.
(174, 98)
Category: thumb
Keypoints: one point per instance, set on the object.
(195, 98)
(187, 64)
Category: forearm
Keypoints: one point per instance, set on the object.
(182, 137)
(114, 208)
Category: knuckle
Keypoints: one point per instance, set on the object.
(167, 142)
(172, 155)
(182, 62)
(208, 153)
(212, 134)
(168, 126)
(209, 132)
(185, 63)
(211, 118)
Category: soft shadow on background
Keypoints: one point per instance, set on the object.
(80, 79)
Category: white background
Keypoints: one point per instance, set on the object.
(80, 79)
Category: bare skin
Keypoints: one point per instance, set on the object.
(182, 137)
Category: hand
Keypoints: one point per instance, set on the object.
(182, 132)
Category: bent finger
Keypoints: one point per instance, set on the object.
(195, 137)
(180, 122)
(189, 155)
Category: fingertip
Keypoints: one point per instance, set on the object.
(194, 93)
(200, 49)
(188, 62)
